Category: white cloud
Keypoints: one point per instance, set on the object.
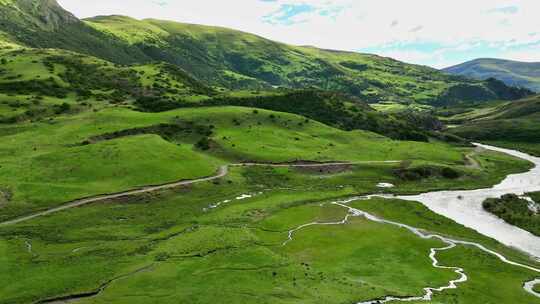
(347, 24)
(530, 54)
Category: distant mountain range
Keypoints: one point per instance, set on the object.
(228, 59)
(513, 73)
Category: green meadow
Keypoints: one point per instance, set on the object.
(50, 162)
(112, 104)
(171, 246)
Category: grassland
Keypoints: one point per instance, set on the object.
(154, 102)
(51, 116)
(37, 84)
(243, 60)
(513, 125)
(482, 274)
(38, 74)
(171, 245)
(392, 107)
(260, 62)
(50, 162)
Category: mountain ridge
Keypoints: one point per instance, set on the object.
(233, 60)
(46, 14)
(514, 73)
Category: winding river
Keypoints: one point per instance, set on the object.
(465, 207)
(450, 243)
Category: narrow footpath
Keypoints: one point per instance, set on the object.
(222, 172)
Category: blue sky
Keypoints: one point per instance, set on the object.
(429, 32)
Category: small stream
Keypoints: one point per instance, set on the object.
(450, 243)
(465, 207)
(529, 287)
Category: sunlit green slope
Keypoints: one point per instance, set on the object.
(515, 124)
(233, 59)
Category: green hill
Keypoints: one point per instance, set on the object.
(237, 60)
(512, 124)
(513, 73)
(45, 24)
(152, 161)
(34, 15)
(36, 83)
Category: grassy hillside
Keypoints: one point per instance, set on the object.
(34, 15)
(118, 104)
(246, 60)
(206, 49)
(339, 110)
(515, 124)
(39, 83)
(238, 60)
(139, 245)
(56, 160)
(45, 24)
(513, 73)
(171, 245)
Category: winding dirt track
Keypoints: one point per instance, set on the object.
(222, 172)
(471, 161)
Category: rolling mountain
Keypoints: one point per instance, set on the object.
(513, 73)
(45, 24)
(232, 59)
(148, 161)
(28, 15)
(511, 124)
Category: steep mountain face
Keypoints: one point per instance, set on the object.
(45, 24)
(513, 73)
(17, 16)
(236, 60)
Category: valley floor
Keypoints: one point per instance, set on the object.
(161, 170)
(228, 234)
